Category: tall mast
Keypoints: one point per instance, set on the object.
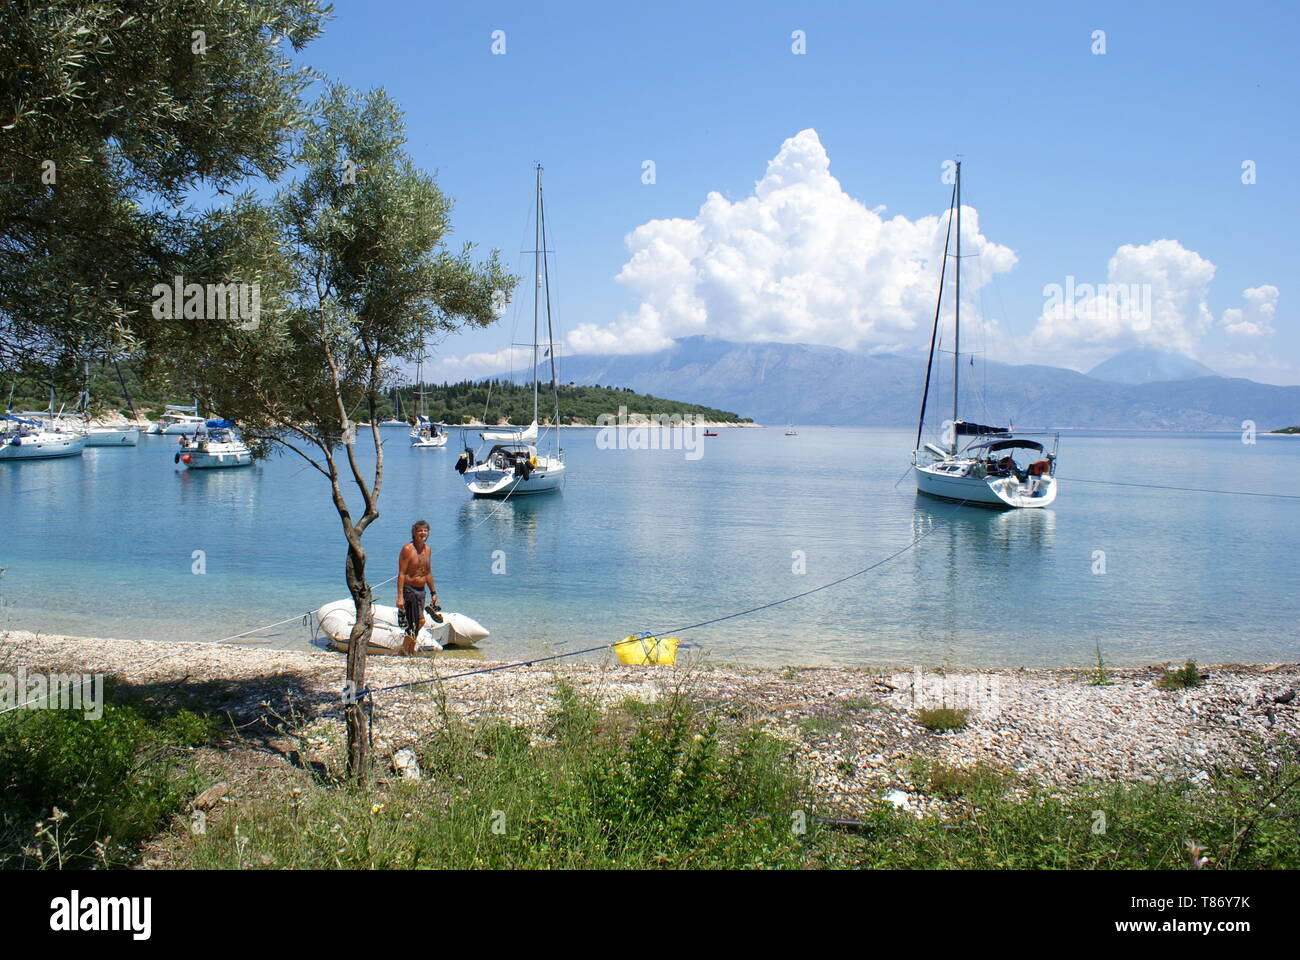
(537, 284)
(550, 329)
(956, 318)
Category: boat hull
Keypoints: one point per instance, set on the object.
(220, 459)
(500, 484)
(1003, 492)
(46, 448)
(113, 437)
(429, 443)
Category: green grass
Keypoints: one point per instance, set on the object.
(1246, 819)
(665, 785)
(942, 719)
(80, 792)
(951, 782)
(1099, 675)
(1186, 676)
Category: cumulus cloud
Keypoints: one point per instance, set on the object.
(1256, 318)
(799, 261)
(1154, 295)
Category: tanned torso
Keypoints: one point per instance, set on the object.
(414, 567)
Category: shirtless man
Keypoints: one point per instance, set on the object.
(413, 574)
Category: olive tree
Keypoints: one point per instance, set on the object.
(357, 277)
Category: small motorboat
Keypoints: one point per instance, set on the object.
(335, 620)
(215, 449)
(125, 436)
(178, 420)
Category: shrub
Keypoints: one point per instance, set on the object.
(95, 789)
(1186, 676)
(940, 719)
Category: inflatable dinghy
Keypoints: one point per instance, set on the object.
(336, 619)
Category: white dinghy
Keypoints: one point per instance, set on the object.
(335, 620)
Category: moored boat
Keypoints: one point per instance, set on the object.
(216, 448)
(975, 463)
(513, 465)
(22, 438)
(178, 420)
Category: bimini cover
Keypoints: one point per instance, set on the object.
(994, 445)
(527, 435)
(10, 416)
(220, 424)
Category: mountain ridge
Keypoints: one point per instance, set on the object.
(812, 384)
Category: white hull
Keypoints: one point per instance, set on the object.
(43, 446)
(932, 480)
(487, 481)
(428, 443)
(112, 436)
(176, 429)
(217, 456)
(336, 620)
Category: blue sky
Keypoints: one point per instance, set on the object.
(1068, 155)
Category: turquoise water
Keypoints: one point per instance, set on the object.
(103, 545)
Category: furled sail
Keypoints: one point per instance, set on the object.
(528, 435)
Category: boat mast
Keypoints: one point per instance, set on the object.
(550, 329)
(956, 318)
(537, 283)
(934, 331)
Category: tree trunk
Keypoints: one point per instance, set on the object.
(355, 709)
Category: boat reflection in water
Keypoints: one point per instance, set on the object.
(971, 572)
(502, 516)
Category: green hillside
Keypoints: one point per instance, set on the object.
(446, 403)
(513, 403)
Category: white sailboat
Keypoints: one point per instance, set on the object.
(123, 435)
(395, 421)
(425, 434)
(216, 448)
(975, 463)
(790, 431)
(513, 465)
(27, 438)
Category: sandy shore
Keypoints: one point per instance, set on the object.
(853, 730)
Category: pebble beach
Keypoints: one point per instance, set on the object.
(855, 731)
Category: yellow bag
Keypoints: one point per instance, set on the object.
(643, 650)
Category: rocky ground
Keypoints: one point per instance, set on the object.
(856, 731)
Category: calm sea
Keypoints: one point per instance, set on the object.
(649, 540)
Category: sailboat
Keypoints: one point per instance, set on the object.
(976, 463)
(28, 438)
(513, 465)
(395, 420)
(790, 431)
(424, 434)
(125, 435)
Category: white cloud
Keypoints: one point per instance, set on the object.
(480, 364)
(799, 260)
(1154, 295)
(1256, 318)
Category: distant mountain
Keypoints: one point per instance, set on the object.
(776, 382)
(1148, 365)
